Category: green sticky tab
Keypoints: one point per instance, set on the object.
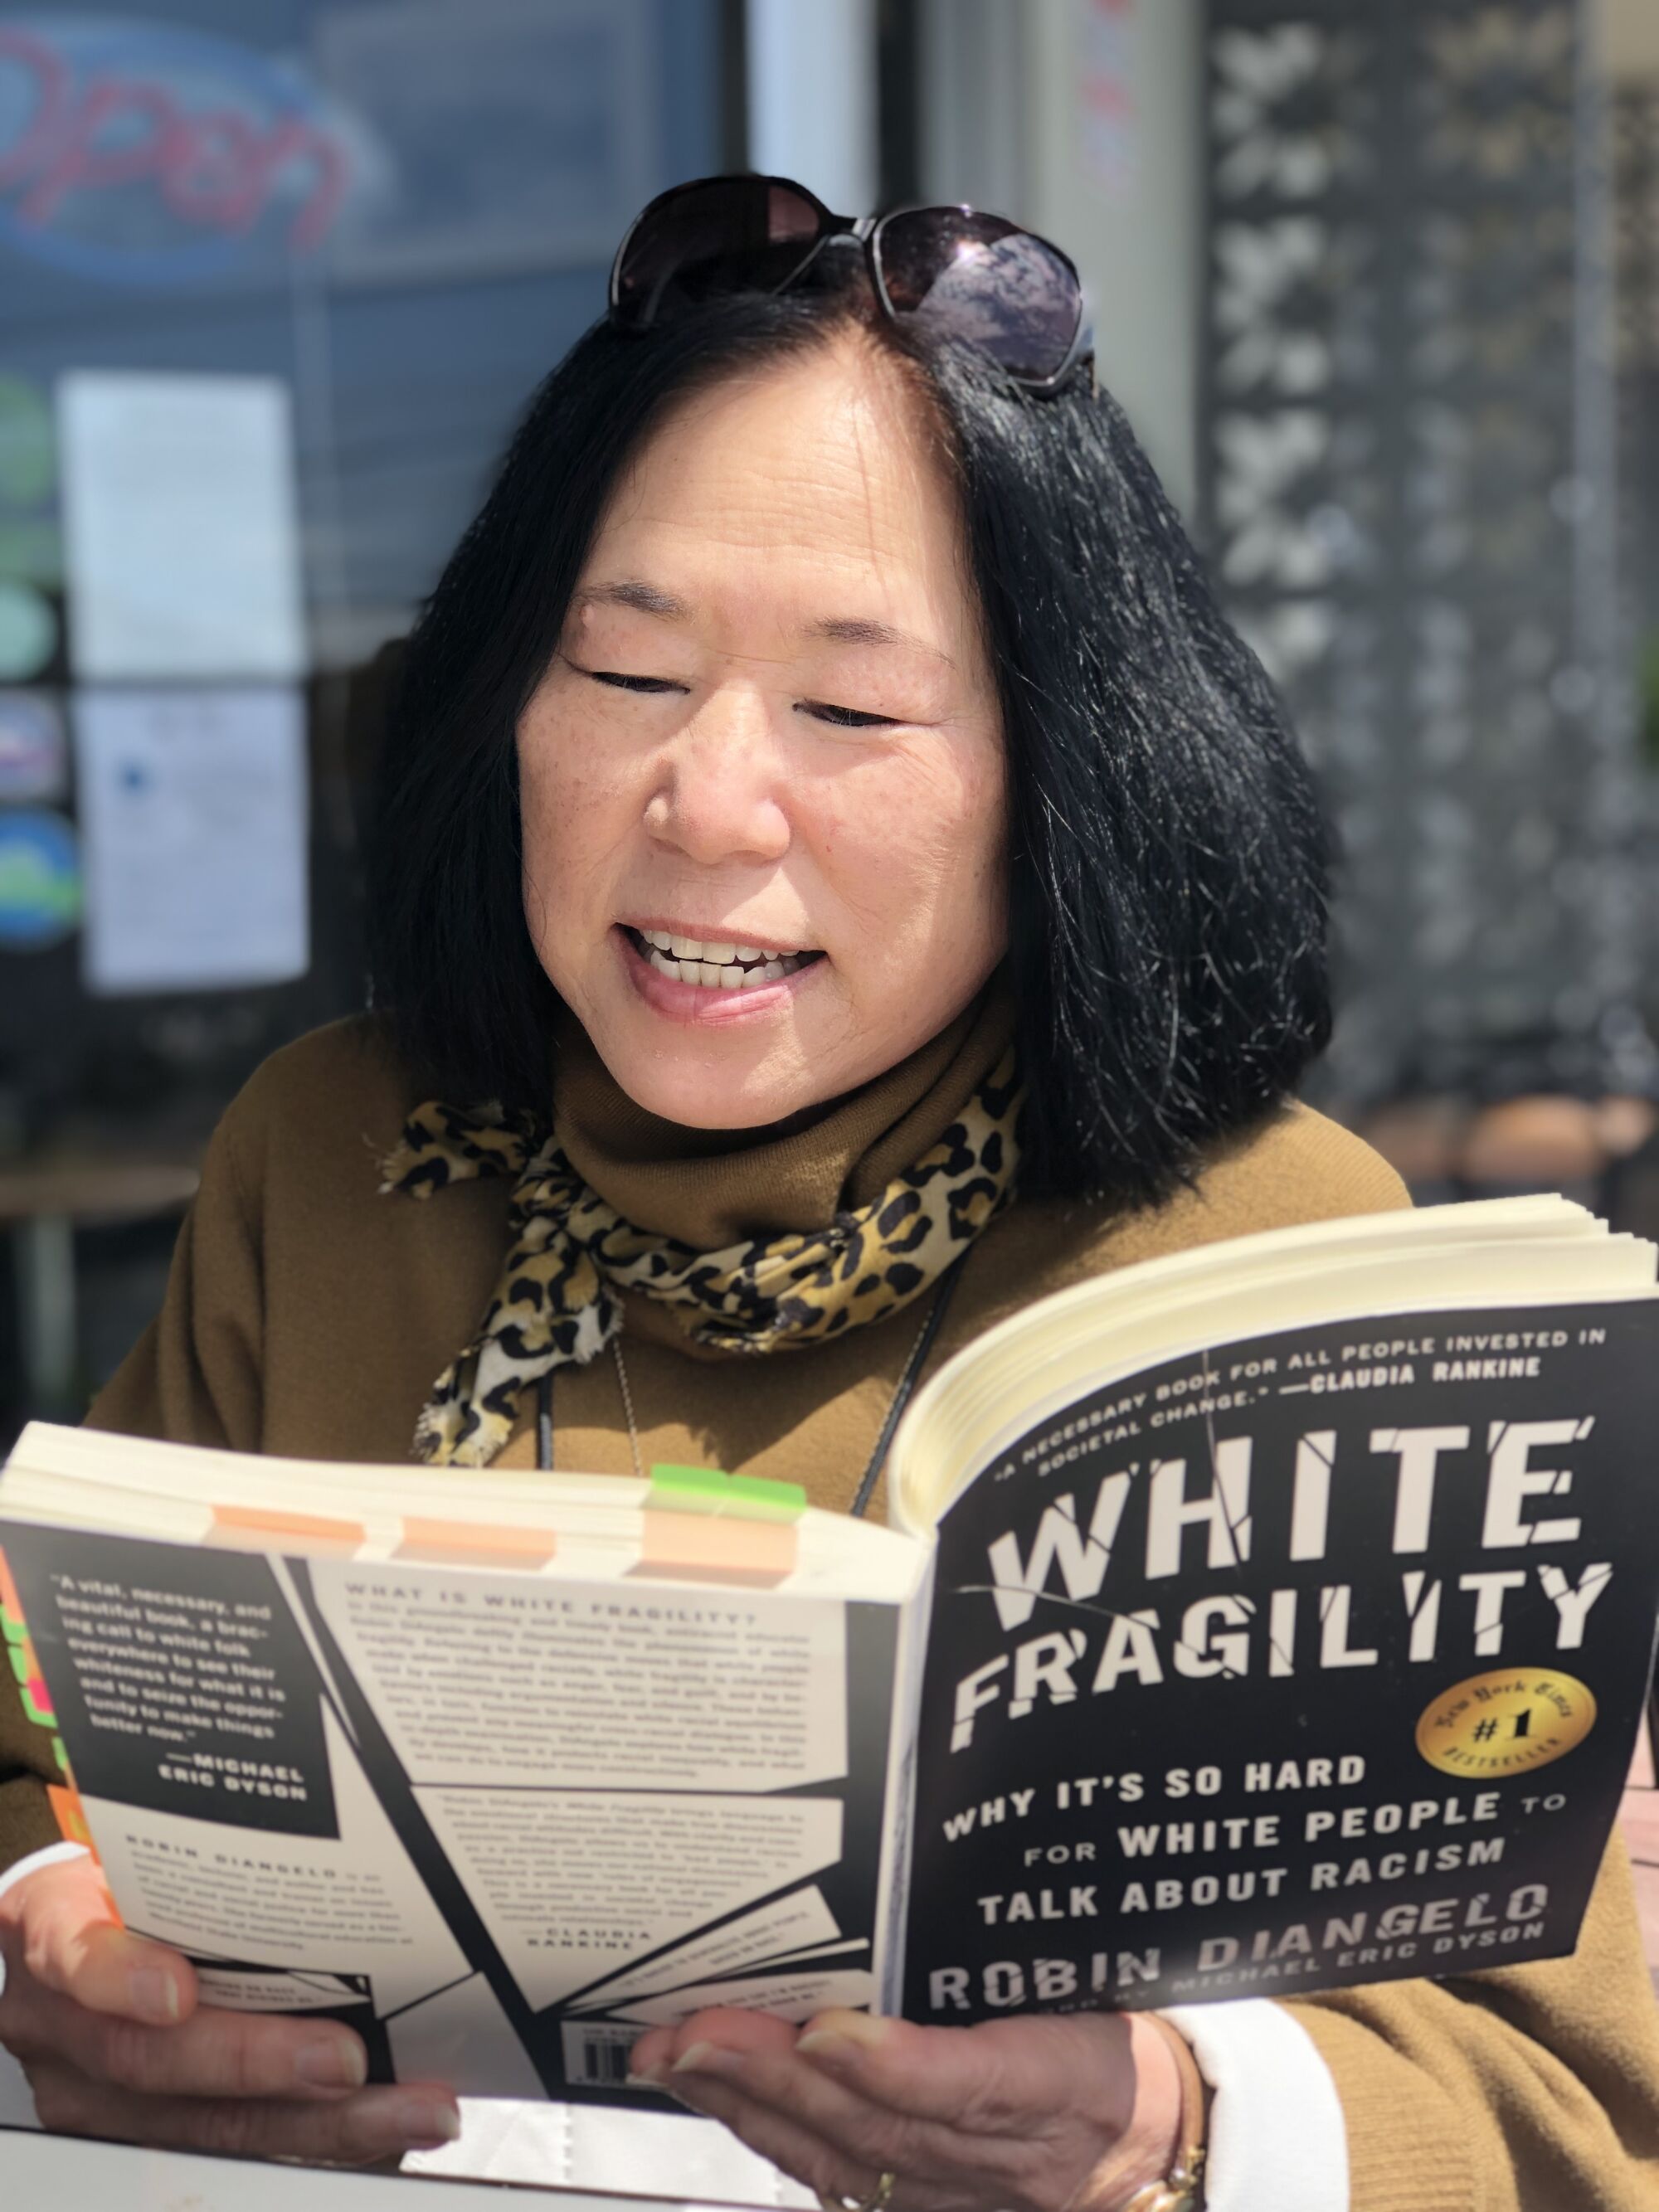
(706, 1490)
(47, 1719)
(757, 1498)
(20, 1665)
(11, 1628)
(688, 1489)
(59, 1753)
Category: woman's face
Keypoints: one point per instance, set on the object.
(762, 782)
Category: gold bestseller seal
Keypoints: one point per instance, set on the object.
(1509, 1722)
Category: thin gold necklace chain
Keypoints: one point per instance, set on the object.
(907, 1381)
(912, 1362)
(628, 1406)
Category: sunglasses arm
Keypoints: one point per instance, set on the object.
(1080, 356)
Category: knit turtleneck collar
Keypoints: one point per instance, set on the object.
(710, 1188)
(776, 1242)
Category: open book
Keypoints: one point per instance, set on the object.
(1268, 1617)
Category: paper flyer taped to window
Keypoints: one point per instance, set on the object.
(193, 815)
(181, 530)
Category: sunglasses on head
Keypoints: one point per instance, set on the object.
(966, 274)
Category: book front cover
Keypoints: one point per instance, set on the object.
(1310, 1659)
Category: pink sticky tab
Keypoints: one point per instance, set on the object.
(712, 1548)
(252, 1528)
(476, 1544)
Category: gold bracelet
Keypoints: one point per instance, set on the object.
(1180, 2189)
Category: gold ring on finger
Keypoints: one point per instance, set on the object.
(875, 2202)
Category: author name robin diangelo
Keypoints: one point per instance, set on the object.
(1446, 1927)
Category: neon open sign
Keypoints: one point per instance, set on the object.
(134, 152)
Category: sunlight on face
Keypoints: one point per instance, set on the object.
(763, 780)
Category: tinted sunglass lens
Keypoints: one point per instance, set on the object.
(731, 234)
(979, 278)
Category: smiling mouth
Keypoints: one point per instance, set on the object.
(717, 964)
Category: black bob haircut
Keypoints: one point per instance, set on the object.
(1168, 895)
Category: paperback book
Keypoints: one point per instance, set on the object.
(1267, 1619)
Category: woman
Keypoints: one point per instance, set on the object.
(826, 702)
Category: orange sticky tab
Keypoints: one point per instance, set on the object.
(250, 1528)
(71, 1816)
(476, 1543)
(709, 1548)
(8, 1597)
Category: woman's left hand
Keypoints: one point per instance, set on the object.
(1047, 2114)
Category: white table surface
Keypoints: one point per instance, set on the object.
(39, 2170)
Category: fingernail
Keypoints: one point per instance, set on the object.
(332, 2061)
(426, 2126)
(825, 2046)
(152, 1992)
(840, 2045)
(696, 2059)
(655, 2074)
(869, 2029)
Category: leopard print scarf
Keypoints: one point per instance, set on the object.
(570, 1253)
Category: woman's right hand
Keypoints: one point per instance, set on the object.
(108, 2030)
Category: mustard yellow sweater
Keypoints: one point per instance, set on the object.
(307, 1315)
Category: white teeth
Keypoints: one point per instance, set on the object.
(716, 966)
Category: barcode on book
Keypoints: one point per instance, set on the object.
(596, 2053)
